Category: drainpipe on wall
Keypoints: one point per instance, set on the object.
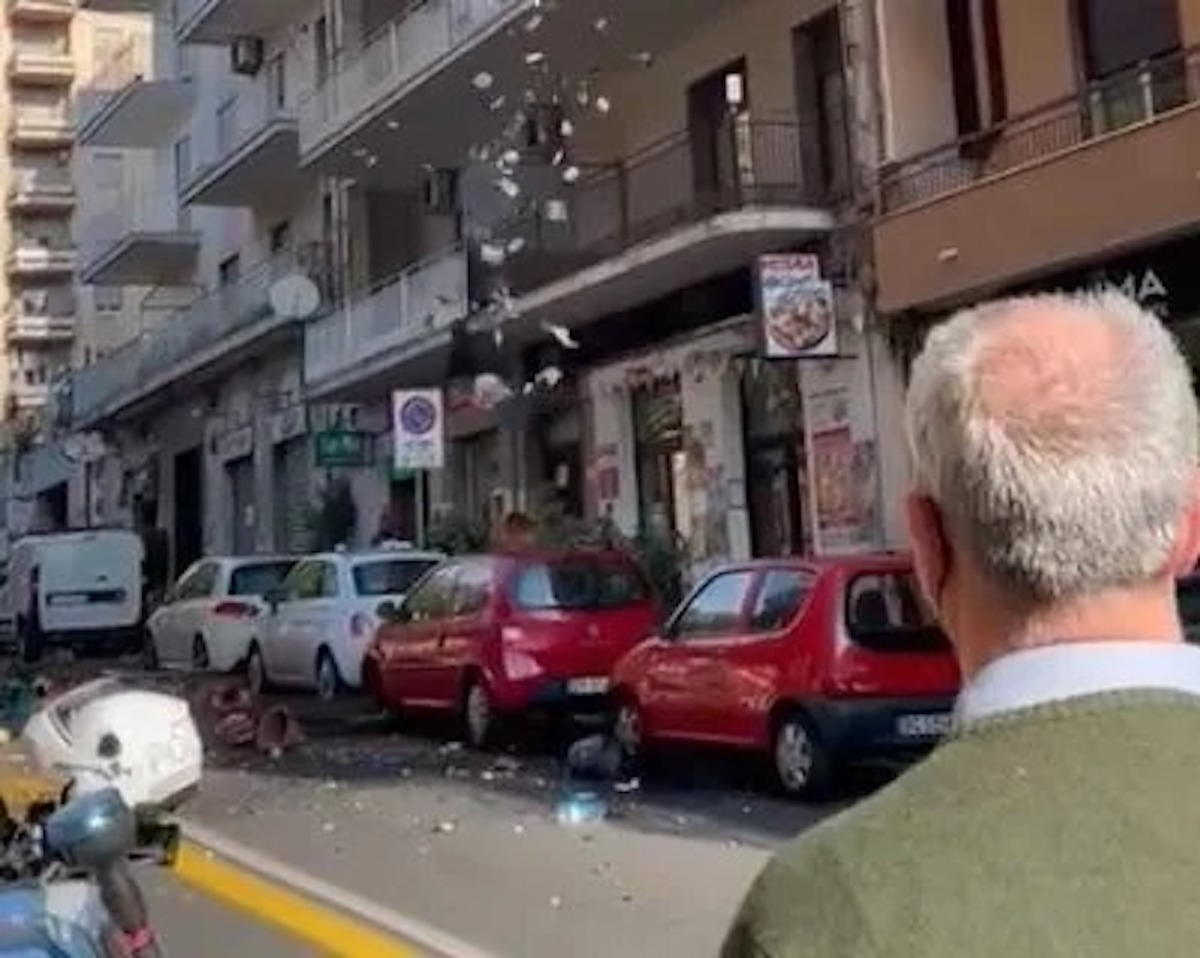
(861, 56)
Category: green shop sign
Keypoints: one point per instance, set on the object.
(343, 449)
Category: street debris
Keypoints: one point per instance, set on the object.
(597, 757)
(581, 808)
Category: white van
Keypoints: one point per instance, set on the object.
(80, 589)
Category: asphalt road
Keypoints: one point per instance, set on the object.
(193, 926)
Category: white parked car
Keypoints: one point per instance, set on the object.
(325, 615)
(212, 614)
(104, 734)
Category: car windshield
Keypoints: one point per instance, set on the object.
(885, 613)
(389, 576)
(258, 578)
(579, 583)
(84, 695)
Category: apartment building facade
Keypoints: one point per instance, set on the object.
(1038, 147)
(338, 199)
(50, 49)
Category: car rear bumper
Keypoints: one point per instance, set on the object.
(552, 694)
(857, 729)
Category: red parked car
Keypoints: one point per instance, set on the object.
(816, 662)
(497, 635)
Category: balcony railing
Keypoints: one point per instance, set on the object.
(169, 350)
(678, 181)
(28, 184)
(427, 33)
(38, 259)
(1100, 109)
(422, 299)
(36, 327)
(236, 123)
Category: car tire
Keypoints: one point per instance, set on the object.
(327, 679)
(480, 720)
(256, 671)
(629, 729)
(201, 661)
(150, 659)
(800, 760)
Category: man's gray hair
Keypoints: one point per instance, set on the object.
(1076, 479)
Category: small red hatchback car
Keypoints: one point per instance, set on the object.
(492, 636)
(818, 662)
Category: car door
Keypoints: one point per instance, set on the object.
(463, 639)
(280, 651)
(325, 619)
(680, 698)
(754, 663)
(415, 665)
(181, 616)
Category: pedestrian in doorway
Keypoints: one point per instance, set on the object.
(1055, 443)
(517, 532)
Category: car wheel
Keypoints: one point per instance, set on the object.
(629, 729)
(200, 659)
(256, 671)
(480, 721)
(150, 659)
(801, 761)
(328, 678)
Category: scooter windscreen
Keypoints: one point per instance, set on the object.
(27, 930)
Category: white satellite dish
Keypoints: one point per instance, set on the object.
(294, 297)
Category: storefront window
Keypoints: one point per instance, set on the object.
(660, 457)
(776, 484)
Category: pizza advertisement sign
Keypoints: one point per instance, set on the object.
(796, 307)
(418, 429)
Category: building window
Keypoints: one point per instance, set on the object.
(108, 299)
(660, 457)
(776, 477)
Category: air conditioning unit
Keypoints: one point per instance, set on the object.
(441, 192)
(246, 55)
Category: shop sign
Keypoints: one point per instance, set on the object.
(1162, 278)
(795, 307)
(342, 449)
(418, 429)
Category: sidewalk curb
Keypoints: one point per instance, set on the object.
(338, 922)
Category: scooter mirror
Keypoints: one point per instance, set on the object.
(94, 830)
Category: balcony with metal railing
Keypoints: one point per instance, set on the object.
(34, 329)
(140, 238)
(394, 60)
(41, 190)
(125, 106)
(688, 207)
(43, 64)
(376, 332)
(34, 259)
(1110, 165)
(246, 149)
(36, 126)
(219, 329)
(219, 22)
(41, 11)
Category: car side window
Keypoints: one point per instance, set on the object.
(716, 609)
(433, 598)
(329, 583)
(304, 582)
(473, 588)
(885, 612)
(198, 584)
(780, 598)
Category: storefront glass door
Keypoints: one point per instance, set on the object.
(776, 483)
(661, 463)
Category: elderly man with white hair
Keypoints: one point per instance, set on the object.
(1055, 441)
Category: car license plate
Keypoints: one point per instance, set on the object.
(589, 686)
(930, 725)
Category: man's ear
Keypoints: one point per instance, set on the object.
(930, 548)
(1187, 543)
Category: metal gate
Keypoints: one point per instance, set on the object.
(290, 495)
(241, 483)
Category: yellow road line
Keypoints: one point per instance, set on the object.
(333, 933)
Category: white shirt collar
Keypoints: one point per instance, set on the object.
(1054, 673)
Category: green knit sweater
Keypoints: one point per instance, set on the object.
(1066, 830)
